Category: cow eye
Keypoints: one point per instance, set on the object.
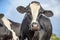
(1, 25)
(40, 13)
(29, 13)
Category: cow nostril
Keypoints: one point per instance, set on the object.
(34, 24)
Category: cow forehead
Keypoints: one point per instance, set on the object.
(34, 10)
(34, 6)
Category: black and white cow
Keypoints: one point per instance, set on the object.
(36, 22)
(9, 30)
(5, 34)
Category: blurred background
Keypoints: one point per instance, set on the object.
(8, 8)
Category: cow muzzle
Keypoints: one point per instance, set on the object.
(35, 26)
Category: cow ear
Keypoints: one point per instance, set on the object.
(48, 13)
(21, 9)
(1, 15)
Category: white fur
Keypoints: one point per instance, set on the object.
(7, 24)
(34, 10)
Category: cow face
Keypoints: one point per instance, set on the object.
(35, 9)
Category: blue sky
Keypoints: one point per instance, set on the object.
(8, 8)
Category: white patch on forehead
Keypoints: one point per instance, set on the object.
(34, 10)
(7, 24)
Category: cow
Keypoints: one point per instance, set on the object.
(5, 34)
(9, 30)
(36, 24)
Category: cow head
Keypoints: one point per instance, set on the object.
(35, 9)
(1, 15)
